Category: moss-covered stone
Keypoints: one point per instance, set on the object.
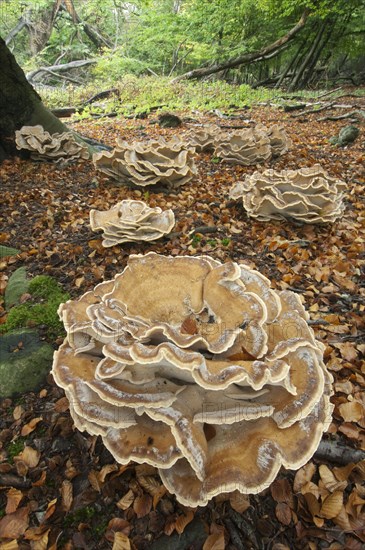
(25, 361)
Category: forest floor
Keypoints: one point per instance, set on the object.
(61, 489)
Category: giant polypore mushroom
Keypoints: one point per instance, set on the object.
(131, 221)
(169, 163)
(49, 147)
(203, 139)
(198, 368)
(245, 147)
(307, 195)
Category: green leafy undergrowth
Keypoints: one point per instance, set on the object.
(40, 309)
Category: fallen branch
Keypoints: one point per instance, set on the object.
(101, 95)
(353, 114)
(267, 52)
(316, 110)
(335, 451)
(64, 67)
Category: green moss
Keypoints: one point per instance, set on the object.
(14, 448)
(82, 515)
(41, 309)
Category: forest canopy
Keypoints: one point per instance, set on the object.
(176, 38)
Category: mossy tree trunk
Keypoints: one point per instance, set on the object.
(19, 104)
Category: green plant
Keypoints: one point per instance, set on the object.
(226, 241)
(82, 515)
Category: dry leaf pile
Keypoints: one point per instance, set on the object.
(62, 489)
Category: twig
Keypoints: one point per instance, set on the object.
(356, 114)
(335, 451)
(310, 111)
(329, 93)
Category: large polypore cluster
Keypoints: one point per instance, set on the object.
(198, 368)
(166, 163)
(52, 147)
(307, 195)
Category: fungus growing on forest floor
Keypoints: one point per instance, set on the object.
(251, 145)
(166, 163)
(131, 221)
(198, 368)
(52, 147)
(307, 195)
(203, 138)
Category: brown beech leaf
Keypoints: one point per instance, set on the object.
(183, 520)
(304, 475)
(29, 456)
(13, 526)
(93, 477)
(14, 497)
(352, 411)
(66, 494)
(51, 508)
(117, 525)
(215, 541)
(11, 545)
(142, 505)
(332, 505)
(283, 513)
(106, 470)
(125, 502)
(150, 484)
(189, 326)
(240, 503)
(121, 542)
(17, 412)
(28, 428)
(281, 491)
(158, 496)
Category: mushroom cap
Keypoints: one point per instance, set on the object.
(198, 368)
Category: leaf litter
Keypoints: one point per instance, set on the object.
(61, 489)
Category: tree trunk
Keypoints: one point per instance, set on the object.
(308, 59)
(265, 53)
(20, 104)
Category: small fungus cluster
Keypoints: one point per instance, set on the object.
(49, 147)
(169, 164)
(307, 195)
(131, 221)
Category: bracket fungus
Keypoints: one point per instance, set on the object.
(198, 368)
(307, 195)
(131, 221)
(203, 139)
(251, 145)
(169, 163)
(53, 147)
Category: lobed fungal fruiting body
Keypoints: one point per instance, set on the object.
(52, 147)
(198, 368)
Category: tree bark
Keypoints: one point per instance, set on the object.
(20, 104)
(269, 51)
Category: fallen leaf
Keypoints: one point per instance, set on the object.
(125, 502)
(28, 428)
(29, 456)
(283, 513)
(121, 542)
(142, 505)
(332, 505)
(13, 526)
(352, 411)
(66, 494)
(14, 496)
(215, 541)
(183, 520)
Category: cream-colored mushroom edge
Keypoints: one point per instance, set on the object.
(168, 163)
(307, 195)
(131, 221)
(49, 147)
(198, 368)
